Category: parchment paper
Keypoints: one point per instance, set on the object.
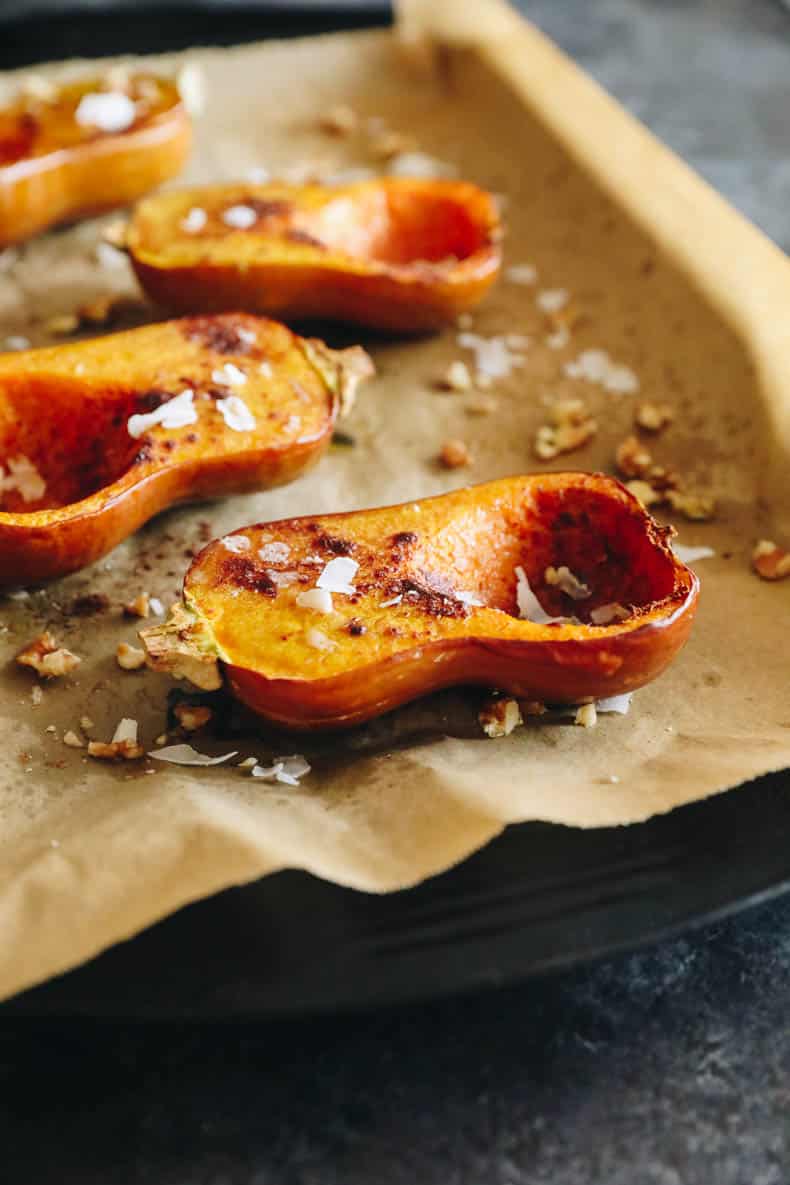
(661, 273)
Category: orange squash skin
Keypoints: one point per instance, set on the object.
(53, 170)
(395, 254)
(381, 655)
(66, 409)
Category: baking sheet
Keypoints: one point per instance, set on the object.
(661, 273)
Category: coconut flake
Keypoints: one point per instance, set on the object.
(125, 733)
(274, 553)
(521, 273)
(246, 335)
(337, 575)
(529, 607)
(551, 300)
(565, 580)
(618, 704)
(689, 555)
(468, 598)
(24, 478)
(175, 413)
(156, 606)
(235, 543)
(195, 220)
(186, 755)
(318, 639)
(239, 217)
(287, 770)
(229, 376)
(109, 111)
(393, 601)
(318, 599)
(236, 414)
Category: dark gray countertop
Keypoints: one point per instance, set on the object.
(670, 1067)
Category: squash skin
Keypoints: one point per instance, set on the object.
(72, 174)
(469, 541)
(378, 263)
(66, 408)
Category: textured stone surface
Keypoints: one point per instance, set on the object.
(665, 1068)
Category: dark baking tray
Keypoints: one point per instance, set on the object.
(539, 897)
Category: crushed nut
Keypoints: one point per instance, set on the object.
(339, 121)
(570, 429)
(696, 507)
(86, 724)
(770, 561)
(62, 324)
(632, 458)
(568, 583)
(129, 658)
(455, 454)
(456, 377)
(71, 739)
(644, 493)
(652, 417)
(192, 716)
(113, 750)
(47, 658)
(586, 716)
(499, 717)
(139, 607)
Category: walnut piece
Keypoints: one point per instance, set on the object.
(570, 428)
(455, 454)
(192, 716)
(456, 377)
(586, 716)
(47, 658)
(139, 607)
(770, 561)
(693, 506)
(499, 717)
(115, 750)
(129, 658)
(632, 458)
(653, 417)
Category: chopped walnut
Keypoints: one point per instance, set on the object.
(456, 377)
(139, 607)
(115, 750)
(697, 507)
(192, 716)
(339, 121)
(47, 658)
(586, 716)
(455, 454)
(129, 658)
(644, 493)
(71, 739)
(62, 324)
(632, 458)
(498, 717)
(770, 561)
(570, 429)
(653, 417)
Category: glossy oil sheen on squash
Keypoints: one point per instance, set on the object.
(433, 601)
(394, 253)
(65, 411)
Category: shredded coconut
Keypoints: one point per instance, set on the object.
(109, 111)
(337, 575)
(186, 755)
(24, 478)
(236, 543)
(393, 601)
(236, 414)
(239, 217)
(521, 273)
(468, 598)
(287, 770)
(318, 599)
(194, 220)
(551, 300)
(596, 366)
(689, 555)
(318, 639)
(529, 607)
(274, 553)
(175, 413)
(229, 376)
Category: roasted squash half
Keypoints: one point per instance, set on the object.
(98, 436)
(59, 160)
(326, 622)
(396, 253)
